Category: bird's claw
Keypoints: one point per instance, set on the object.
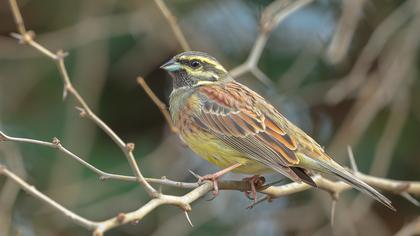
(255, 182)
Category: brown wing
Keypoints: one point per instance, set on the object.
(231, 112)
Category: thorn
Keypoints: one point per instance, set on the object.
(352, 160)
(198, 177)
(258, 201)
(130, 146)
(65, 93)
(26, 38)
(16, 36)
(188, 218)
(410, 198)
(56, 141)
(333, 207)
(60, 55)
(82, 111)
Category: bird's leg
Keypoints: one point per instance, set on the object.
(255, 182)
(215, 176)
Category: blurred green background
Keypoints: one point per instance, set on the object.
(311, 58)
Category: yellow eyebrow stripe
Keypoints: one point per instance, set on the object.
(206, 60)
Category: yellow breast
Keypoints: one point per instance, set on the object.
(215, 151)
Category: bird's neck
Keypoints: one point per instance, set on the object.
(177, 101)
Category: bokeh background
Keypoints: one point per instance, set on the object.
(345, 71)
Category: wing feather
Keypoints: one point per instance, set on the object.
(232, 113)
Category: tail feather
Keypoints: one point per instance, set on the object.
(355, 182)
(303, 176)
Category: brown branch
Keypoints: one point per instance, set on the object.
(388, 185)
(161, 105)
(20, 24)
(198, 190)
(39, 195)
(410, 229)
(58, 57)
(183, 202)
(381, 87)
(370, 52)
(351, 14)
(325, 184)
(272, 16)
(171, 19)
(56, 144)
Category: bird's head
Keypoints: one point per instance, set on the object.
(190, 69)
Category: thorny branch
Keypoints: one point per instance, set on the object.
(26, 37)
(199, 190)
(272, 16)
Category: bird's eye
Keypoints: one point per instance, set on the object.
(195, 64)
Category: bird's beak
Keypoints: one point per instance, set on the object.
(171, 65)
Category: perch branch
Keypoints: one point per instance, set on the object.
(272, 16)
(127, 148)
(332, 187)
(179, 35)
(161, 105)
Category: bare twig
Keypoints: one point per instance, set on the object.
(350, 16)
(393, 75)
(174, 25)
(20, 24)
(56, 144)
(162, 106)
(272, 16)
(370, 52)
(333, 208)
(325, 184)
(334, 188)
(352, 160)
(69, 88)
(410, 229)
(183, 202)
(9, 192)
(399, 111)
(39, 195)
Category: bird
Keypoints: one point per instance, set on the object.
(236, 129)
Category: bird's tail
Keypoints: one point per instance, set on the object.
(332, 167)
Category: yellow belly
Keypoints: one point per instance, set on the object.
(218, 153)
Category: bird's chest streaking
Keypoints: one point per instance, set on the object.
(184, 107)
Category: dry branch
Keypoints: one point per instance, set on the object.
(174, 25)
(198, 190)
(273, 15)
(27, 38)
(162, 106)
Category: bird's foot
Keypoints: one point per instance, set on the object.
(215, 177)
(256, 182)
